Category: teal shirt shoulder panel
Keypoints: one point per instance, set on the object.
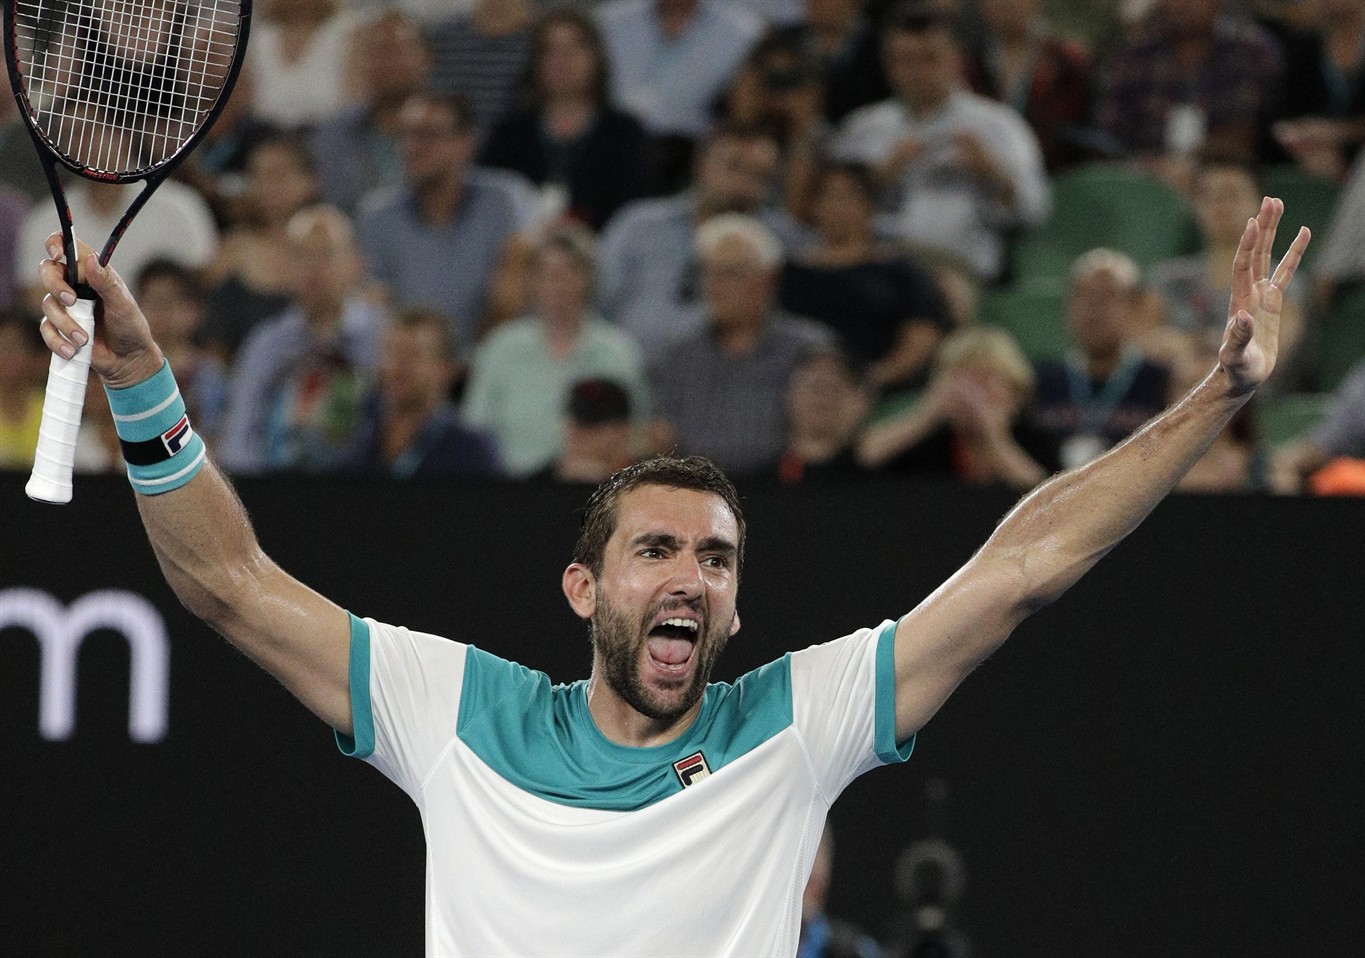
(541, 737)
(888, 749)
(360, 743)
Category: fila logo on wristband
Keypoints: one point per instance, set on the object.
(162, 448)
(175, 438)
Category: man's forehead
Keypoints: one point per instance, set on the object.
(684, 513)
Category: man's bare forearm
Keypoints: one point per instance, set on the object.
(1061, 529)
(209, 554)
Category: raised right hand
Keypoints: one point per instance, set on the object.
(124, 352)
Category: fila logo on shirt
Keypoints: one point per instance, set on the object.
(692, 769)
(174, 439)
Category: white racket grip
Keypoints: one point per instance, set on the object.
(62, 406)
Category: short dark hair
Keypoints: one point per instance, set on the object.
(185, 279)
(426, 317)
(692, 472)
(918, 17)
(540, 40)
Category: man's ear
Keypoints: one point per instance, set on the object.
(580, 588)
(734, 623)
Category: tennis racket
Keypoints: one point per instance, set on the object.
(115, 91)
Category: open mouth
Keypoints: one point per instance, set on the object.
(672, 642)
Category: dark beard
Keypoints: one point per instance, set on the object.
(620, 642)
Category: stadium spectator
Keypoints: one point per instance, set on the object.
(971, 421)
(294, 394)
(217, 166)
(251, 278)
(670, 61)
(301, 57)
(520, 376)
(1105, 388)
(839, 36)
(176, 224)
(587, 157)
(14, 207)
(407, 425)
(778, 88)
(1190, 78)
(647, 280)
(721, 390)
(1044, 76)
(436, 240)
(828, 398)
(1339, 434)
(1195, 289)
(1324, 106)
(20, 169)
(961, 171)
(599, 434)
(481, 54)
(172, 299)
(22, 365)
(886, 309)
(356, 149)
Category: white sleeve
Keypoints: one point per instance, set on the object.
(843, 704)
(405, 699)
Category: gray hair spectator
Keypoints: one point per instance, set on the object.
(648, 266)
(721, 390)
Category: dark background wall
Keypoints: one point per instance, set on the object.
(1166, 762)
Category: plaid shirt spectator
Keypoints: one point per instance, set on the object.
(1236, 87)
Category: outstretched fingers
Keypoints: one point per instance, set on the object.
(1289, 264)
(1243, 279)
(1268, 219)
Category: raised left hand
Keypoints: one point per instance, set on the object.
(1251, 342)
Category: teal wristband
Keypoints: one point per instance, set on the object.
(162, 450)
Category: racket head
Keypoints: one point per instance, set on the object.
(122, 90)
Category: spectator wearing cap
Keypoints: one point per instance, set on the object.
(599, 437)
(520, 376)
(408, 426)
(721, 391)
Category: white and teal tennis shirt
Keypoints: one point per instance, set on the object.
(546, 838)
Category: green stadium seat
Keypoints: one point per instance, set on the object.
(1105, 205)
(1341, 337)
(1036, 316)
(1282, 419)
(1308, 201)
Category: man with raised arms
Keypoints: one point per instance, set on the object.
(644, 809)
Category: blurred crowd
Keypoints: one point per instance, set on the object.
(509, 238)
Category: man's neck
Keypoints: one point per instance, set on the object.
(439, 201)
(739, 339)
(621, 723)
(928, 108)
(1101, 366)
(401, 423)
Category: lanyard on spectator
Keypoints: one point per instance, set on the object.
(1096, 410)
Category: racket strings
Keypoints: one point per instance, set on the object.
(120, 86)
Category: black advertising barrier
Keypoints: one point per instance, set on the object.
(1166, 762)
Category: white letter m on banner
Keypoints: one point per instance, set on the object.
(60, 630)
